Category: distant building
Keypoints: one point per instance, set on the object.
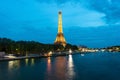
(2, 54)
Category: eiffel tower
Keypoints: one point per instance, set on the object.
(60, 37)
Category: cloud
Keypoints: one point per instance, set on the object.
(44, 13)
(25, 9)
(79, 16)
(110, 8)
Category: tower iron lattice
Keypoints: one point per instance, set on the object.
(60, 39)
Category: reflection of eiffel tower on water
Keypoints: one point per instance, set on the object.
(60, 37)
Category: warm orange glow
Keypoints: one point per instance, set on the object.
(60, 37)
(50, 53)
(49, 64)
(60, 23)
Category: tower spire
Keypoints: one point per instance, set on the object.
(60, 22)
(60, 37)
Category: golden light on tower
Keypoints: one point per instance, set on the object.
(60, 37)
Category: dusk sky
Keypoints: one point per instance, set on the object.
(94, 23)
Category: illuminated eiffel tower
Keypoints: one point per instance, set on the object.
(60, 37)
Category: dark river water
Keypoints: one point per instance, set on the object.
(93, 66)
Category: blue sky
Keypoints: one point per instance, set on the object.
(94, 23)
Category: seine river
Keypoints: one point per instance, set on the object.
(92, 66)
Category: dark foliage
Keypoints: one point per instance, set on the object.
(23, 47)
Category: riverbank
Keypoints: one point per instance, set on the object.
(18, 58)
(38, 56)
(55, 54)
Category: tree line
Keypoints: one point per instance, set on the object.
(30, 47)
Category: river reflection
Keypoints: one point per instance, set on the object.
(26, 61)
(56, 70)
(32, 61)
(48, 65)
(13, 64)
(103, 66)
(70, 68)
(60, 68)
